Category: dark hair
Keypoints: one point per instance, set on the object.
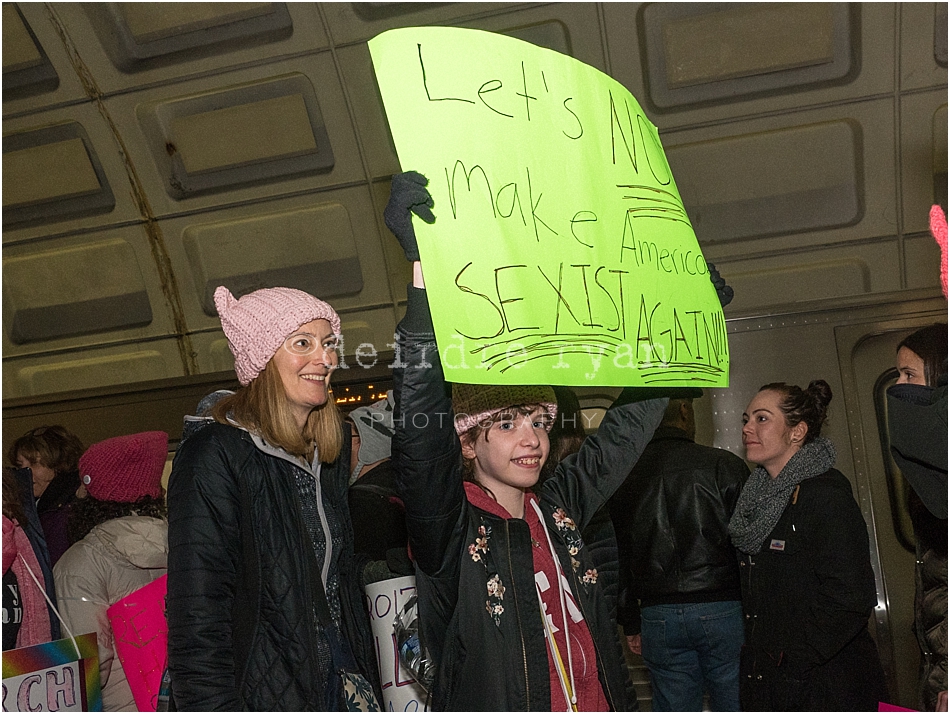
(672, 414)
(87, 513)
(568, 432)
(12, 505)
(54, 446)
(808, 405)
(930, 344)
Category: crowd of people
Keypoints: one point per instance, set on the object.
(531, 542)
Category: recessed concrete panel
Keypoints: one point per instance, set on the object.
(873, 47)
(923, 155)
(922, 261)
(225, 138)
(572, 28)
(27, 70)
(940, 33)
(287, 240)
(148, 22)
(19, 47)
(48, 172)
(102, 367)
(923, 44)
(552, 34)
(249, 136)
(89, 212)
(940, 156)
(369, 117)
(93, 27)
(776, 182)
(150, 110)
(351, 22)
(51, 174)
(312, 249)
(827, 273)
(702, 52)
(384, 10)
(140, 36)
(73, 291)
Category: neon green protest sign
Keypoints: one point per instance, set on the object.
(561, 253)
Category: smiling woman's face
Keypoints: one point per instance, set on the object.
(304, 362)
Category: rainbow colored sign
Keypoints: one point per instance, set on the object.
(53, 677)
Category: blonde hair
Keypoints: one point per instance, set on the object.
(263, 407)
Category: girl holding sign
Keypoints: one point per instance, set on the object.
(511, 609)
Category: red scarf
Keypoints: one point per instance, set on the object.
(589, 692)
(18, 554)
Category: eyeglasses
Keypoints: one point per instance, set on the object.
(302, 344)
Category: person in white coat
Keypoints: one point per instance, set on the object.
(120, 543)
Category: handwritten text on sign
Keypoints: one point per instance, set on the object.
(384, 600)
(561, 253)
(53, 676)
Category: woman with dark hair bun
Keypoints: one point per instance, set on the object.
(808, 587)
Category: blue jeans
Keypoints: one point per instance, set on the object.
(690, 648)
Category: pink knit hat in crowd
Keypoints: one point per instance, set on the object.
(257, 324)
(125, 468)
(938, 228)
(476, 404)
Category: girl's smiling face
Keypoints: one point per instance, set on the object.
(768, 439)
(510, 453)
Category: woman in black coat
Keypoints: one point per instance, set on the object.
(808, 587)
(265, 609)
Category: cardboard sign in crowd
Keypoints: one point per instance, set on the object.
(53, 677)
(561, 252)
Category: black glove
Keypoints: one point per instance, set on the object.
(723, 291)
(408, 195)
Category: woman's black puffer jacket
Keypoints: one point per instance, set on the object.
(242, 579)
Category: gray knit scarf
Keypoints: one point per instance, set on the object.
(763, 498)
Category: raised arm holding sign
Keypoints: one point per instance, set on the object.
(563, 253)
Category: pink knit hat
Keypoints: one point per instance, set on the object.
(476, 404)
(257, 324)
(125, 468)
(938, 228)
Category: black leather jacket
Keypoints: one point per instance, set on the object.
(242, 577)
(497, 660)
(672, 516)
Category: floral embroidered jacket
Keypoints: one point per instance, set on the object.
(479, 611)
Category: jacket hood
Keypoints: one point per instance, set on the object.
(140, 541)
(202, 416)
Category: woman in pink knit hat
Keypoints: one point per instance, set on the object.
(119, 537)
(265, 608)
